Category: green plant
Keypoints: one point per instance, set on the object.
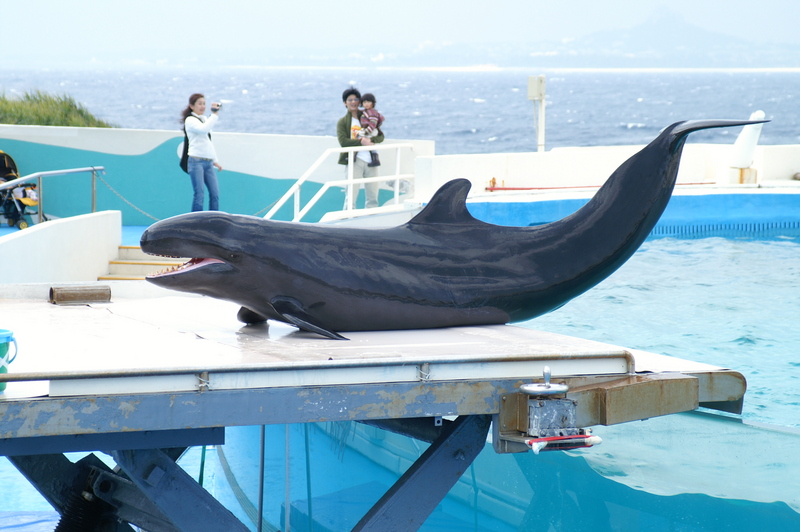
(37, 108)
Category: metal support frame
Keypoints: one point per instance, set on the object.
(148, 439)
(416, 494)
(67, 487)
(132, 506)
(159, 495)
(421, 428)
(177, 495)
(91, 497)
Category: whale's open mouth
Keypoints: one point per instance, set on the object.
(192, 264)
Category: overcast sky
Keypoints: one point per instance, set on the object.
(55, 32)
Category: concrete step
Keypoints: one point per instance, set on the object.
(134, 265)
(116, 277)
(140, 267)
(136, 253)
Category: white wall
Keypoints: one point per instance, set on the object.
(103, 140)
(274, 156)
(70, 249)
(777, 162)
(591, 166)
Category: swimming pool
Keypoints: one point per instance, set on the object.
(726, 301)
(730, 302)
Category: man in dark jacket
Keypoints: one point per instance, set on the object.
(347, 131)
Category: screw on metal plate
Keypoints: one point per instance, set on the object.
(544, 388)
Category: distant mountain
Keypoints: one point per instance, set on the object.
(665, 40)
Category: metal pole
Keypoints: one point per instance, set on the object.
(397, 180)
(41, 199)
(536, 92)
(350, 199)
(94, 191)
(308, 480)
(201, 474)
(540, 128)
(261, 480)
(288, 502)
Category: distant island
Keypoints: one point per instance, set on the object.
(665, 40)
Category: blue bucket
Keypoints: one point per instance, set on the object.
(6, 339)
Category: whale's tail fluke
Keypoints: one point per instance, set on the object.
(682, 129)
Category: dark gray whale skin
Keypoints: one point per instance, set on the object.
(443, 268)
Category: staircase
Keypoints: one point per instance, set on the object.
(133, 264)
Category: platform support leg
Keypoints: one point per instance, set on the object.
(408, 503)
(66, 486)
(181, 499)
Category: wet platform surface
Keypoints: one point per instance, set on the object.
(141, 354)
(176, 335)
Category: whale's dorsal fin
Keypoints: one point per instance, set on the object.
(448, 205)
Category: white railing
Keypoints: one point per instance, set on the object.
(38, 178)
(350, 183)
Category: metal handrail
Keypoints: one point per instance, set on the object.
(294, 190)
(38, 178)
(349, 183)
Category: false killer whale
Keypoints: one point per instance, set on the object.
(443, 268)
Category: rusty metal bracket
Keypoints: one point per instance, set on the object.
(634, 398)
(609, 402)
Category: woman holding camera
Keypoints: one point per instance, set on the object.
(202, 164)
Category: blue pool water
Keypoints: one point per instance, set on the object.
(686, 472)
(730, 302)
(725, 301)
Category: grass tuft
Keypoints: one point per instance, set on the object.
(37, 108)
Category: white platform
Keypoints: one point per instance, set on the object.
(163, 344)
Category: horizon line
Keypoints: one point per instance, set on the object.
(441, 68)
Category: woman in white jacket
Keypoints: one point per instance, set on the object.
(203, 164)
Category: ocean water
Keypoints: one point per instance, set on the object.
(463, 111)
(725, 301)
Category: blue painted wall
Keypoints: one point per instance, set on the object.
(720, 212)
(151, 186)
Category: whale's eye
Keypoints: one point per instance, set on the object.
(233, 257)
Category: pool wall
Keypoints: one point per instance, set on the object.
(750, 211)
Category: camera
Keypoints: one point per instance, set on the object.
(216, 106)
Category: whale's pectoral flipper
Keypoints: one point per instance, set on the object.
(292, 310)
(245, 315)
